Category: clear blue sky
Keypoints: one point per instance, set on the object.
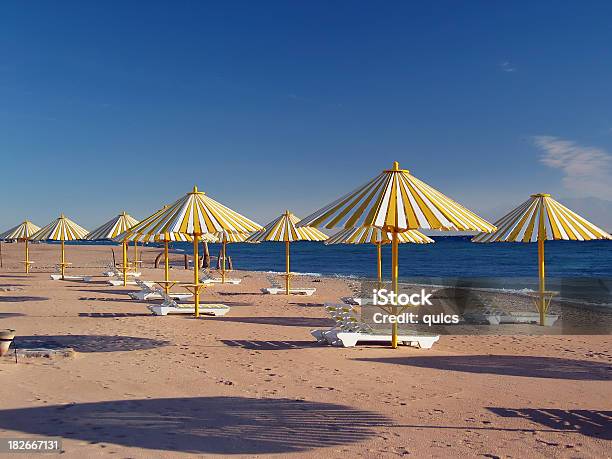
(115, 105)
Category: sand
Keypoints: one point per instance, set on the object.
(254, 383)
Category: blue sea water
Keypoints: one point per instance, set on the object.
(577, 269)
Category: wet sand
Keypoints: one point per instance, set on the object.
(255, 383)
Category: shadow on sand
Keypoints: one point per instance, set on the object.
(592, 423)
(21, 299)
(88, 343)
(509, 365)
(282, 321)
(269, 345)
(202, 425)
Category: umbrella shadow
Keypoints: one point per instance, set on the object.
(89, 343)
(307, 305)
(21, 299)
(6, 315)
(509, 365)
(112, 315)
(269, 345)
(238, 293)
(282, 321)
(202, 425)
(592, 423)
(108, 291)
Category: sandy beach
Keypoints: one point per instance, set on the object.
(255, 383)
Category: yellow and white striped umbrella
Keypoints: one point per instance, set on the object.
(112, 228)
(397, 201)
(373, 235)
(61, 229)
(22, 232)
(25, 230)
(541, 217)
(195, 214)
(283, 229)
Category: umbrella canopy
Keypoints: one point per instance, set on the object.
(396, 201)
(540, 218)
(195, 214)
(373, 235)
(22, 232)
(112, 228)
(283, 229)
(61, 229)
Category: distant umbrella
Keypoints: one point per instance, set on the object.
(396, 201)
(373, 235)
(283, 229)
(540, 219)
(224, 238)
(61, 229)
(22, 232)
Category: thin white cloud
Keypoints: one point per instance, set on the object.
(587, 170)
(506, 66)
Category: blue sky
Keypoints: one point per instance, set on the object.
(273, 105)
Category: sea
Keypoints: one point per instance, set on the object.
(578, 270)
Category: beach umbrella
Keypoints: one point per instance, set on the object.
(283, 229)
(396, 201)
(61, 229)
(195, 215)
(373, 235)
(224, 238)
(110, 230)
(540, 218)
(22, 232)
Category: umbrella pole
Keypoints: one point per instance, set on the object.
(379, 250)
(62, 262)
(287, 267)
(196, 280)
(166, 267)
(27, 258)
(394, 275)
(541, 275)
(135, 255)
(125, 263)
(223, 265)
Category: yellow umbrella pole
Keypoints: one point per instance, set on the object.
(196, 279)
(135, 255)
(63, 261)
(379, 250)
(125, 263)
(394, 276)
(27, 257)
(287, 267)
(541, 275)
(166, 267)
(223, 265)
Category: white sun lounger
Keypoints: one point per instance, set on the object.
(349, 331)
(493, 316)
(115, 272)
(292, 291)
(206, 278)
(208, 309)
(119, 282)
(151, 291)
(71, 278)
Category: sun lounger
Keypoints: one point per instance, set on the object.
(119, 282)
(206, 278)
(71, 278)
(170, 306)
(292, 291)
(349, 331)
(115, 272)
(151, 291)
(494, 316)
